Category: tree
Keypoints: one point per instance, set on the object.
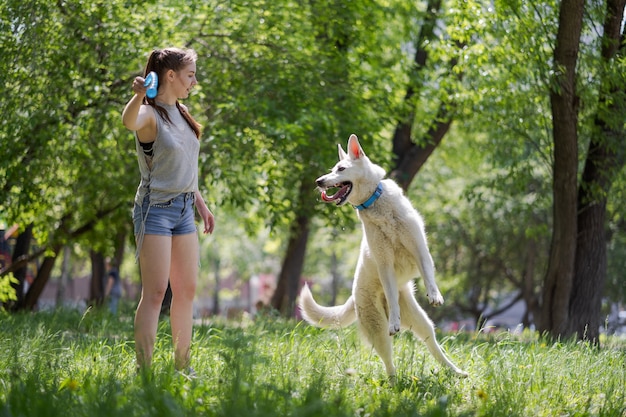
(565, 102)
(513, 67)
(605, 159)
(410, 149)
(575, 280)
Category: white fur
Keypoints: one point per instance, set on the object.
(393, 252)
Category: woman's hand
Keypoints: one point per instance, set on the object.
(139, 87)
(205, 214)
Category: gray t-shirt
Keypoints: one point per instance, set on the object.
(173, 167)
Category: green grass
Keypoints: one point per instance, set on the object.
(67, 364)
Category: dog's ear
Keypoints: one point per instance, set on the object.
(342, 153)
(354, 148)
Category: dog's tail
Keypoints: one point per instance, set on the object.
(320, 316)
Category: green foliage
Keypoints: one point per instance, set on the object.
(7, 292)
(65, 75)
(506, 72)
(284, 82)
(62, 362)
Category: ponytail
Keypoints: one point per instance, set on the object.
(162, 60)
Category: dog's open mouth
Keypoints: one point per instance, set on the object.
(340, 196)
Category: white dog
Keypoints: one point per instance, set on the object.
(393, 252)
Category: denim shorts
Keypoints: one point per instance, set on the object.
(174, 217)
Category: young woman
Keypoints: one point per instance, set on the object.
(167, 143)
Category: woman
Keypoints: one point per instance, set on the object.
(167, 143)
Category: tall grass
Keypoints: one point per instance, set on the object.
(63, 363)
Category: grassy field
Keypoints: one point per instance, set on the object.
(68, 364)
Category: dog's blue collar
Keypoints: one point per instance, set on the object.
(372, 199)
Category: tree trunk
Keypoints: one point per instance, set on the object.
(284, 298)
(98, 284)
(408, 164)
(42, 278)
(63, 279)
(528, 284)
(409, 157)
(21, 249)
(605, 158)
(564, 101)
(120, 246)
(588, 284)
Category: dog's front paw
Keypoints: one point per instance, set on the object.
(435, 298)
(394, 327)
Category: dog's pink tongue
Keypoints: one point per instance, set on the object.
(326, 198)
(337, 196)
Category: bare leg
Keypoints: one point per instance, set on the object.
(183, 278)
(154, 260)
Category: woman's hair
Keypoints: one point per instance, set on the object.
(163, 60)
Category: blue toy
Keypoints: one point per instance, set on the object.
(152, 84)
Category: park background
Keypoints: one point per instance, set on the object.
(504, 122)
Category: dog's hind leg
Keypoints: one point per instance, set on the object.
(415, 319)
(373, 324)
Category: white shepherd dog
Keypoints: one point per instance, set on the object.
(393, 252)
